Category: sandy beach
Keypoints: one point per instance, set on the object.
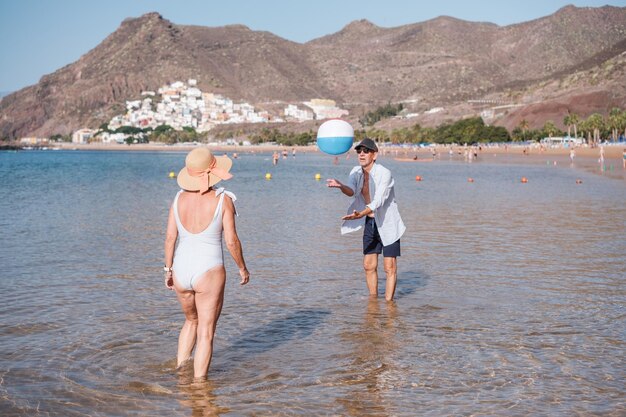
(534, 151)
(155, 146)
(586, 158)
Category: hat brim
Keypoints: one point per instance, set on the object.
(189, 183)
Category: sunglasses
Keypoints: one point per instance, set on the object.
(363, 150)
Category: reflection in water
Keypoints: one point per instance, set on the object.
(373, 343)
(197, 394)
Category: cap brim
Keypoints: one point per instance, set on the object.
(366, 147)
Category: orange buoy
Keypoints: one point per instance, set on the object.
(418, 178)
(579, 181)
(524, 180)
(470, 179)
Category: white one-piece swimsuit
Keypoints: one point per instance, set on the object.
(196, 253)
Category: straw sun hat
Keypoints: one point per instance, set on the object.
(203, 170)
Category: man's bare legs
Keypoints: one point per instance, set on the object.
(391, 270)
(370, 264)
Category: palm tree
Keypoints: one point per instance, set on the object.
(596, 123)
(571, 120)
(614, 122)
(585, 129)
(549, 128)
(567, 121)
(523, 124)
(574, 120)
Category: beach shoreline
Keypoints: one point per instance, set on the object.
(610, 151)
(585, 157)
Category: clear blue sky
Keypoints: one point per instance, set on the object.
(37, 37)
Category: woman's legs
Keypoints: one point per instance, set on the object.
(187, 337)
(209, 297)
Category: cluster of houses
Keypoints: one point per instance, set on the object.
(185, 105)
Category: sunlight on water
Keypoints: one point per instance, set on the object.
(510, 296)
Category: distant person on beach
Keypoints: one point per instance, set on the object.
(624, 158)
(275, 157)
(572, 155)
(199, 216)
(374, 207)
(601, 160)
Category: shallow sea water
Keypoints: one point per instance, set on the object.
(511, 297)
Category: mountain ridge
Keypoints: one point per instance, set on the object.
(439, 62)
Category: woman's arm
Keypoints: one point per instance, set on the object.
(232, 240)
(170, 242)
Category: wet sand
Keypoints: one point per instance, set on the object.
(610, 152)
(586, 158)
(184, 147)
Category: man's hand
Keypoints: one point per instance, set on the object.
(333, 183)
(355, 215)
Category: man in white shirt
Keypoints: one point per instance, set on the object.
(373, 207)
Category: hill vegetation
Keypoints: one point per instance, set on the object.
(571, 60)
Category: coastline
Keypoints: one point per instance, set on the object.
(610, 151)
(586, 158)
(162, 147)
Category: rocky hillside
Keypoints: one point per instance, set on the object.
(441, 62)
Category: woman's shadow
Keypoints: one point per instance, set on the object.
(296, 325)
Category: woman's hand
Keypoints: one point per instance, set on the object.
(245, 276)
(169, 280)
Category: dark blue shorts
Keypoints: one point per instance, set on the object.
(373, 244)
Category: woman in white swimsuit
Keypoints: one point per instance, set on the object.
(199, 215)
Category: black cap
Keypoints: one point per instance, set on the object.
(367, 143)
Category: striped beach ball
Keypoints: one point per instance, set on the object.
(335, 137)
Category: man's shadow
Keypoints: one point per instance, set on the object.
(297, 325)
(408, 282)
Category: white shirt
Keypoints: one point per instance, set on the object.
(383, 204)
